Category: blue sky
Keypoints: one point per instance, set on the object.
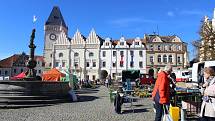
(110, 18)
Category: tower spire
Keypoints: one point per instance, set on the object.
(56, 18)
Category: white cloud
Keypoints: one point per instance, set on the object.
(170, 13)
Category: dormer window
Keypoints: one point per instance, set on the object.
(121, 43)
(107, 44)
(151, 47)
(136, 43)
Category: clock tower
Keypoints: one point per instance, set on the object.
(54, 26)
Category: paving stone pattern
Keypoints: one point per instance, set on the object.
(94, 105)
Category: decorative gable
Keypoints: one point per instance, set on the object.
(62, 39)
(78, 38)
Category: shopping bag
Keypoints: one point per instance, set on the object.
(166, 115)
(213, 105)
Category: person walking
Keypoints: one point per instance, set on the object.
(161, 91)
(208, 104)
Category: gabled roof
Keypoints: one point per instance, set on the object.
(17, 60)
(56, 18)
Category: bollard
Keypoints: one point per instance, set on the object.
(183, 114)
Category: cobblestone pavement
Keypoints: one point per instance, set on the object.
(94, 105)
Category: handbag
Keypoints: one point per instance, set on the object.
(166, 115)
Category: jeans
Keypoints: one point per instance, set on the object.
(159, 111)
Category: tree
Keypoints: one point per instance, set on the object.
(207, 41)
(104, 74)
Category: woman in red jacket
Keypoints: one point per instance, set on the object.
(161, 91)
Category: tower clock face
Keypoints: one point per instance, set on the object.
(52, 36)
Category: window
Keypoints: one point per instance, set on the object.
(63, 64)
(39, 71)
(131, 52)
(94, 77)
(0, 72)
(114, 64)
(94, 64)
(170, 47)
(179, 59)
(43, 64)
(38, 62)
(91, 54)
(51, 55)
(164, 58)
(136, 43)
(166, 47)
(114, 53)
(170, 58)
(76, 54)
(131, 64)
(122, 53)
(121, 63)
(141, 53)
(14, 70)
(88, 64)
(159, 58)
(159, 47)
(50, 64)
(103, 53)
(151, 59)
(6, 72)
(178, 47)
(21, 70)
(151, 47)
(141, 64)
(121, 43)
(103, 64)
(60, 54)
(107, 43)
(56, 64)
(76, 64)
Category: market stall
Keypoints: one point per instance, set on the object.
(52, 75)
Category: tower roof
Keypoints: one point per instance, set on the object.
(56, 18)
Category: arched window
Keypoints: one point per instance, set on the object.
(170, 58)
(60, 54)
(91, 54)
(76, 54)
(159, 58)
(164, 58)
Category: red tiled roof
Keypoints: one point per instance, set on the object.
(8, 62)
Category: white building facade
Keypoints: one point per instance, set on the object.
(123, 55)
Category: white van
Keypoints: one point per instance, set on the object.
(197, 69)
(182, 75)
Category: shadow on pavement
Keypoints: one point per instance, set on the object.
(135, 111)
(84, 98)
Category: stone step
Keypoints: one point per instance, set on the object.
(17, 97)
(23, 106)
(32, 102)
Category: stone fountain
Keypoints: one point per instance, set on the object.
(31, 92)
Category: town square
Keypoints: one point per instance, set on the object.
(107, 60)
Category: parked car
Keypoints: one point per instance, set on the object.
(182, 75)
(197, 70)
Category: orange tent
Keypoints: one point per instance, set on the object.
(52, 75)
